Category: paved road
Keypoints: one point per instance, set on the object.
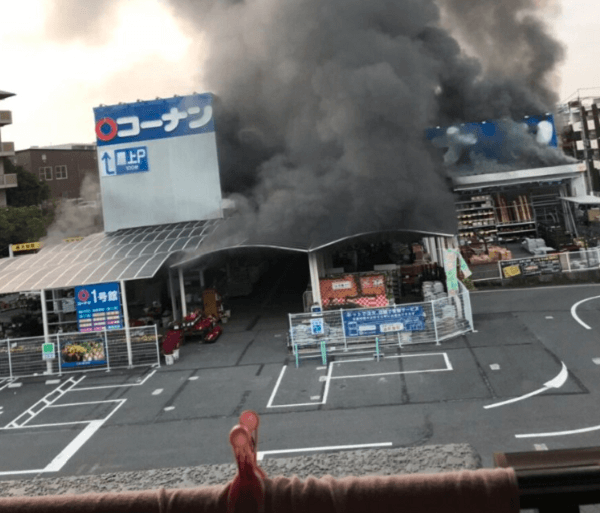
(180, 415)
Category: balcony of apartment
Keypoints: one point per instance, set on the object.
(5, 117)
(8, 181)
(7, 149)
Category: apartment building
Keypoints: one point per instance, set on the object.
(64, 168)
(7, 150)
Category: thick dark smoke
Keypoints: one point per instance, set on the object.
(324, 104)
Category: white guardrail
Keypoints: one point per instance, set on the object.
(78, 352)
(368, 329)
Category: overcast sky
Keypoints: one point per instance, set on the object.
(61, 72)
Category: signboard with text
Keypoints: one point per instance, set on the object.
(372, 322)
(162, 151)
(98, 307)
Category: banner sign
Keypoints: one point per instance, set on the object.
(98, 307)
(450, 256)
(360, 323)
(83, 353)
(28, 246)
(549, 264)
(469, 142)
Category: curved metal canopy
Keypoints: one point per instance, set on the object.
(129, 254)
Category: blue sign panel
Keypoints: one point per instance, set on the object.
(361, 323)
(317, 327)
(125, 161)
(157, 119)
(469, 142)
(98, 307)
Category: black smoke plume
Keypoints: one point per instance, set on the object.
(323, 104)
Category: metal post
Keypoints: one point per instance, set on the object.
(172, 295)
(437, 341)
(569, 260)
(377, 347)
(9, 358)
(314, 279)
(157, 347)
(10, 251)
(295, 349)
(500, 271)
(343, 329)
(46, 329)
(59, 357)
(291, 329)
(106, 350)
(323, 352)
(182, 293)
(126, 321)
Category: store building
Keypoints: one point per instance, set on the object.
(7, 150)
(64, 168)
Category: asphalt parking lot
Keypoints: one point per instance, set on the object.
(527, 371)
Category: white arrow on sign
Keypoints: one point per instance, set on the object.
(556, 382)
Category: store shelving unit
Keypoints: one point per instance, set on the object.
(515, 219)
(476, 217)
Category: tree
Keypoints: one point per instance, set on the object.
(20, 224)
(30, 190)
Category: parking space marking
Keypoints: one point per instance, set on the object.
(327, 379)
(446, 360)
(261, 454)
(43, 403)
(574, 311)
(556, 382)
(140, 383)
(8, 380)
(91, 425)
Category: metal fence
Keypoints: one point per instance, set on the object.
(319, 334)
(554, 263)
(78, 352)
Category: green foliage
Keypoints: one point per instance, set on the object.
(20, 224)
(30, 190)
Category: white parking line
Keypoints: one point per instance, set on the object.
(556, 382)
(561, 433)
(327, 379)
(574, 311)
(261, 454)
(117, 386)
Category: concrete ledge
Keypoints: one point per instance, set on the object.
(384, 462)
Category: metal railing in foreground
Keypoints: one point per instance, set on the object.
(557, 481)
(315, 335)
(78, 352)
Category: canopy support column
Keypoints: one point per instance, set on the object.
(172, 296)
(314, 279)
(126, 322)
(45, 325)
(182, 293)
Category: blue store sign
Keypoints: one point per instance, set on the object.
(372, 322)
(98, 307)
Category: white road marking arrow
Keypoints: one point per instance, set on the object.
(556, 382)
